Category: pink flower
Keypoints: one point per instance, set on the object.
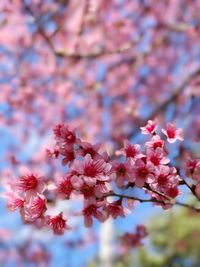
(91, 171)
(123, 172)
(35, 208)
(31, 184)
(149, 128)
(86, 148)
(15, 202)
(132, 240)
(115, 209)
(157, 156)
(172, 133)
(64, 134)
(142, 171)
(14, 199)
(76, 180)
(98, 190)
(52, 153)
(193, 169)
(27, 182)
(161, 176)
(65, 188)
(191, 165)
(129, 150)
(155, 142)
(69, 155)
(141, 231)
(172, 191)
(91, 209)
(164, 179)
(57, 223)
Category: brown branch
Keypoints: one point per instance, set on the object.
(146, 186)
(76, 56)
(184, 182)
(157, 192)
(181, 27)
(113, 194)
(153, 200)
(40, 29)
(187, 206)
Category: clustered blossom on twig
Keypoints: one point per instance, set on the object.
(95, 176)
(129, 241)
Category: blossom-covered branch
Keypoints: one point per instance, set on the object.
(91, 173)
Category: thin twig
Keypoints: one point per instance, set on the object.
(157, 192)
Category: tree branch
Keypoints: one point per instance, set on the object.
(153, 200)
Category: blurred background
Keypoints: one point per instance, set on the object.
(105, 68)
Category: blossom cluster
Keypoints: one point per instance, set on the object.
(129, 240)
(28, 195)
(94, 176)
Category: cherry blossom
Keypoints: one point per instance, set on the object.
(57, 223)
(91, 176)
(31, 184)
(130, 151)
(155, 142)
(157, 156)
(172, 133)
(91, 171)
(64, 135)
(14, 202)
(165, 178)
(86, 148)
(64, 187)
(132, 240)
(105, 72)
(115, 209)
(34, 208)
(90, 210)
(193, 168)
(142, 171)
(123, 172)
(149, 128)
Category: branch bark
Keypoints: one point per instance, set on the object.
(153, 200)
